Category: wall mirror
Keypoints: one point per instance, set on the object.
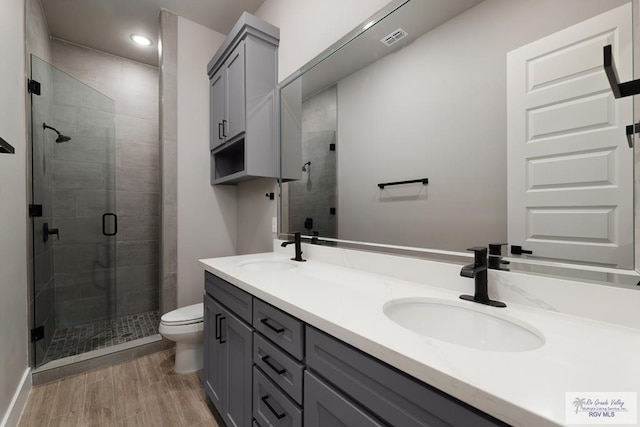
(439, 126)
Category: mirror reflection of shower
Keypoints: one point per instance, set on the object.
(61, 137)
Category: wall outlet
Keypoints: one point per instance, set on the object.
(274, 224)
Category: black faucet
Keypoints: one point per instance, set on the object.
(495, 257)
(297, 240)
(478, 271)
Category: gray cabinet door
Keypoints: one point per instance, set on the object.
(237, 346)
(217, 99)
(213, 357)
(235, 70)
(326, 407)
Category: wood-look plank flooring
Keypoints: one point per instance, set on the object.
(138, 393)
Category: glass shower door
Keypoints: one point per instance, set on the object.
(74, 243)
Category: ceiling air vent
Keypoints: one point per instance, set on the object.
(394, 37)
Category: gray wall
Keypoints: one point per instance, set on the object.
(13, 227)
(134, 88)
(37, 31)
(437, 109)
(206, 214)
(636, 112)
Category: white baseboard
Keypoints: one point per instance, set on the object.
(12, 417)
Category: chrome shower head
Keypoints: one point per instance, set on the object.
(61, 137)
(304, 167)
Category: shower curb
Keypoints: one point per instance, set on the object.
(44, 376)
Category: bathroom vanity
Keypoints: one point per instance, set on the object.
(261, 362)
(318, 339)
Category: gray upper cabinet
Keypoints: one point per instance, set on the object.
(235, 71)
(244, 131)
(217, 107)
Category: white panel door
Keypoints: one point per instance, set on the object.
(570, 170)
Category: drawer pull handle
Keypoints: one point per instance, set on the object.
(218, 333)
(273, 411)
(278, 370)
(222, 341)
(267, 322)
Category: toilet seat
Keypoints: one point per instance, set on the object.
(184, 316)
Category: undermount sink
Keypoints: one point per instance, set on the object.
(459, 323)
(267, 265)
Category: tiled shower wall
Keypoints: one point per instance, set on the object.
(82, 184)
(169, 150)
(134, 88)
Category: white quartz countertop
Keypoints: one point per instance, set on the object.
(520, 388)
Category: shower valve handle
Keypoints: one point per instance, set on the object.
(46, 232)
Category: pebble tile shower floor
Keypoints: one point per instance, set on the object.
(94, 336)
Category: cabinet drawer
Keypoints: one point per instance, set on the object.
(271, 407)
(326, 407)
(391, 395)
(279, 366)
(232, 297)
(281, 328)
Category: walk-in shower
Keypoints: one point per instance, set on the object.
(75, 272)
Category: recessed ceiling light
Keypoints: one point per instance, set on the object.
(141, 40)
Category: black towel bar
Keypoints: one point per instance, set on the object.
(424, 181)
(5, 147)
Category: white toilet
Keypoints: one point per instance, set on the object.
(185, 326)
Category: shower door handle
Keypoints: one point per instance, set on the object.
(104, 224)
